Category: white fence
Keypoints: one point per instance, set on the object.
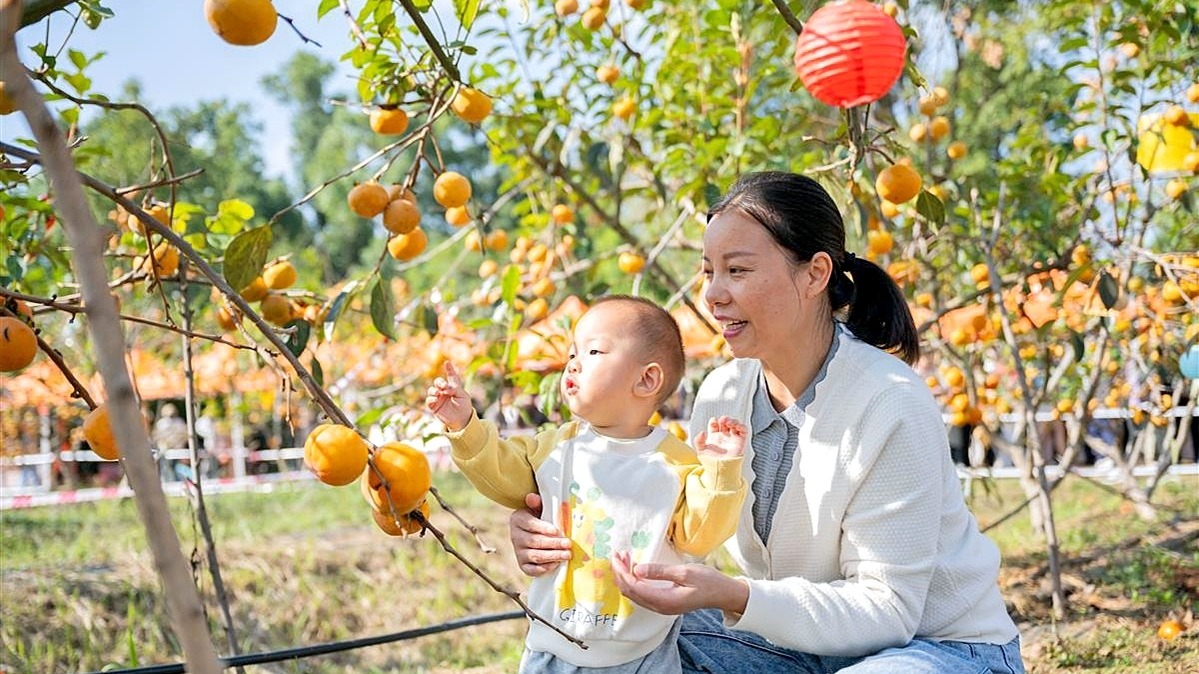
(26, 480)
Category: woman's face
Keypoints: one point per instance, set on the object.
(753, 289)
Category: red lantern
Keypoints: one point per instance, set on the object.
(849, 53)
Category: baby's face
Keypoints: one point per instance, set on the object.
(603, 366)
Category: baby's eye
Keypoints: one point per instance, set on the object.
(594, 352)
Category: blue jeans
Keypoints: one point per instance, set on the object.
(707, 646)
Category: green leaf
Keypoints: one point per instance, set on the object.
(477, 363)
(1072, 44)
(231, 217)
(1079, 345)
(914, 75)
(318, 372)
(428, 320)
(79, 81)
(548, 393)
(195, 226)
(1109, 290)
(369, 417)
(930, 207)
(70, 116)
(325, 7)
(78, 58)
(382, 308)
(298, 339)
(339, 304)
(711, 194)
(131, 642)
(236, 208)
(510, 285)
(527, 381)
(594, 153)
(93, 18)
(511, 346)
(466, 10)
(246, 255)
(199, 241)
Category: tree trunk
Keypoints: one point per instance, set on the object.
(86, 237)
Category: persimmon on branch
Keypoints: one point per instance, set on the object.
(55, 356)
(417, 136)
(318, 393)
(172, 179)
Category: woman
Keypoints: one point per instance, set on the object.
(857, 550)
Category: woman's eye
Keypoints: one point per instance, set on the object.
(736, 270)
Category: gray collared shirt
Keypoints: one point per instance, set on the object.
(775, 437)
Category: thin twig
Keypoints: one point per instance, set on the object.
(515, 597)
(401, 144)
(292, 23)
(474, 530)
(134, 189)
(196, 494)
(74, 308)
(354, 27)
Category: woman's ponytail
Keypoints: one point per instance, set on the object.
(878, 312)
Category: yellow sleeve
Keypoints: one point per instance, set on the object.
(501, 469)
(709, 507)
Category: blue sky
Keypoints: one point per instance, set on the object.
(169, 47)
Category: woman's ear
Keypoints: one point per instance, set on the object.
(651, 381)
(818, 271)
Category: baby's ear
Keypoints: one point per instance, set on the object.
(651, 381)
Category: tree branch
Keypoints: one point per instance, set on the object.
(788, 16)
(431, 40)
(36, 10)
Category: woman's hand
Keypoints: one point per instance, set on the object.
(539, 545)
(673, 589)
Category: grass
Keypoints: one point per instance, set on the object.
(306, 565)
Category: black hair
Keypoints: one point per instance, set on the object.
(658, 334)
(802, 218)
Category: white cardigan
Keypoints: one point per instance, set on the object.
(872, 543)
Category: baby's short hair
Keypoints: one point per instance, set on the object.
(657, 333)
